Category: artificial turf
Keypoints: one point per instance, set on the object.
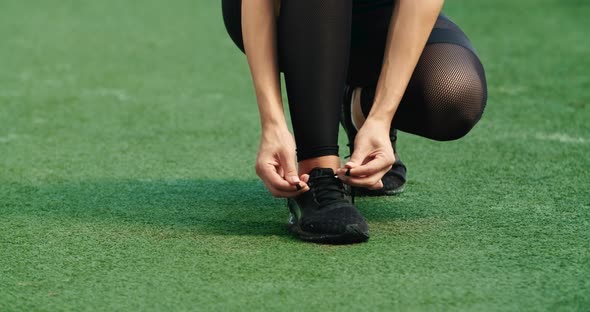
(128, 134)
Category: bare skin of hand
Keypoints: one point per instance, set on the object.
(372, 158)
(276, 166)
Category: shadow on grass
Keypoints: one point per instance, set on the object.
(218, 207)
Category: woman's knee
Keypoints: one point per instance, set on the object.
(460, 101)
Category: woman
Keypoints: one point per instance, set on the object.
(374, 65)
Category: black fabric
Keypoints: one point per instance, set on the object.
(446, 95)
(313, 39)
(232, 18)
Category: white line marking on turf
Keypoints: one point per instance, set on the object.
(118, 94)
(511, 90)
(561, 137)
(8, 138)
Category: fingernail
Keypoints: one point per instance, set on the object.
(295, 179)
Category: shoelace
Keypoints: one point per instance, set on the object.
(328, 189)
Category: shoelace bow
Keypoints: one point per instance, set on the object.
(328, 189)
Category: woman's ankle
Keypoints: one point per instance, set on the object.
(330, 161)
(356, 110)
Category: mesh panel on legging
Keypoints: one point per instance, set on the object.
(314, 40)
(447, 93)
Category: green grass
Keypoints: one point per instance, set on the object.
(128, 133)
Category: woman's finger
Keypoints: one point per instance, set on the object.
(366, 182)
(356, 159)
(286, 194)
(272, 179)
(376, 165)
(280, 171)
(377, 186)
(288, 168)
(369, 169)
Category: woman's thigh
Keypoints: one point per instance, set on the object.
(370, 26)
(232, 18)
(447, 92)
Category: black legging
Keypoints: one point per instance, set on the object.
(325, 44)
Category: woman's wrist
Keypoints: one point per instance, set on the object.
(379, 121)
(376, 123)
(273, 123)
(272, 115)
(385, 104)
(380, 118)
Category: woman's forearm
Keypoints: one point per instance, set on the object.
(259, 35)
(410, 26)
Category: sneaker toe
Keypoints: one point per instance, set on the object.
(336, 222)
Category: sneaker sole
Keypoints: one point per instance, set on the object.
(368, 193)
(352, 235)
(396, 191)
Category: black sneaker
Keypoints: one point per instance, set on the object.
(325, 213)
(394, 181)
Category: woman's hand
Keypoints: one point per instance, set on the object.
(275, 163)
(372, 158)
